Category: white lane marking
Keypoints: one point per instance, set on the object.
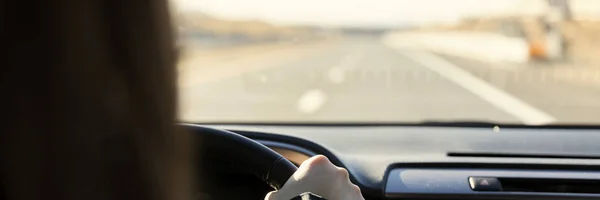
(311, 101)
(500, 99)
(337, 74)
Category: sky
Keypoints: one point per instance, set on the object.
(358, 12)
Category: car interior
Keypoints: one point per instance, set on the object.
(447, 160)
(402, 162)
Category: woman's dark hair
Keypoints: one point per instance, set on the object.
(89, 102)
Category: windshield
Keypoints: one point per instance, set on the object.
(531, 62)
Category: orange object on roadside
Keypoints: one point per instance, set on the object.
(537, 49)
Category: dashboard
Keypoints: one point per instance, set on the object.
(419, 162)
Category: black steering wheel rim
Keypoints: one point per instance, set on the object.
(263, 162)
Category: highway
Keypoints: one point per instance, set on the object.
(365, 79)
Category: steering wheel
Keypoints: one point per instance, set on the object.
(263, 162)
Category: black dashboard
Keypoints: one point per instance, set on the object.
(417, 162)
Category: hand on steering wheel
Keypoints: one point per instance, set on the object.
(319, 176)
(316, 175)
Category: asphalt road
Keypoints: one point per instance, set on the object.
(366, 80)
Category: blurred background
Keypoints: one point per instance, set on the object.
(405, 61)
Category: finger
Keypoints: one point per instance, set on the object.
(317, 160)
(270, 196)
(343, 174)
(316, 164)
(356, 192)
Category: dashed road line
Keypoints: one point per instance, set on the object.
(337, 74)
(311, 101)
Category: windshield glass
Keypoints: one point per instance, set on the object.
(531, 62)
